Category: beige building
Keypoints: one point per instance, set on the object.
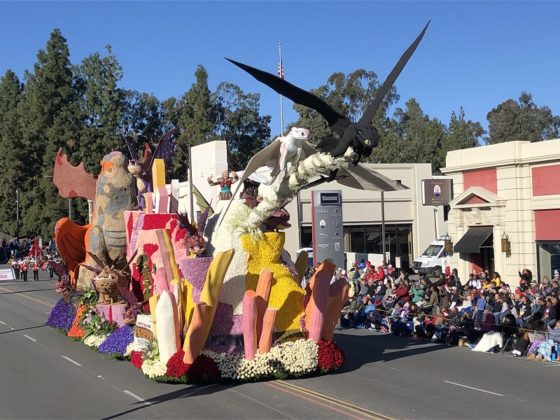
(409, 226)
(505, 214)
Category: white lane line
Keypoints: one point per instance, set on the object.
(71, 361)
(3, 323)
(29, 338)
(136, 397)
(474, 389)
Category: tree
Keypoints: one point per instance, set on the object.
(412, 137)
(196, 118)
(50, 120)
(460, 134)
(350, 95)
(102, 105)
(12, 157)
(521, 120)
(239, 123)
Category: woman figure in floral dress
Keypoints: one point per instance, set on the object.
(225, 182)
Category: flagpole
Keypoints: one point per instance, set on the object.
(281, 75)
(298, 199)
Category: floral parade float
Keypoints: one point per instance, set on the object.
(219, 299)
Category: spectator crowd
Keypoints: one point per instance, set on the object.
(29, 256)
(483, 313)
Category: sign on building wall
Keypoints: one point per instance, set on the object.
(437, 191)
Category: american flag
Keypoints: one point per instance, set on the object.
(280, 70)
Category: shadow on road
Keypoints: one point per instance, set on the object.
(361, 349)
(23, 329)
(188, 391)
(26, 291)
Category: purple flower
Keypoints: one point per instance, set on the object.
(117, 342)
(62, 315)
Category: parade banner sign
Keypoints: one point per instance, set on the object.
(6, 274)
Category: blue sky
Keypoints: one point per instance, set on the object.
(475, 54)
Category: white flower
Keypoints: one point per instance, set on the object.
(134, 346)
(95, 340)
(294, 358)
(154, 368)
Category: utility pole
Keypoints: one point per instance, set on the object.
(191, 209)
(17, 212)
(383, 226)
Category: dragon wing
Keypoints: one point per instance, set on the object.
(298, 95)
(72, 181)
(164, 149)
(201, 202)
(267, 154)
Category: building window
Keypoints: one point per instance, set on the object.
(548, 258)
(367, 240)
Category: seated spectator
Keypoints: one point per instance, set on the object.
(532, 335)
(455, 299)
(553, 313)
(488, 321)
(496, 279)
(474, 282)
(443, 296)
(554, 289)
(401, 292)
(454, 280)
(509, 330)
(500, 308)
(353, 314)
(487, 284)
(389, 298)
(554, 332)
(417, 292)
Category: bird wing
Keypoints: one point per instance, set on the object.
(388, 83)
(267, 154)
(364, 178)
(298, 95)
(308, 149)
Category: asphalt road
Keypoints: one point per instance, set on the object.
(44, 374)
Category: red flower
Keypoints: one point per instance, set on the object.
(176, 368)
(203, 370)
(330, 356)
(136, 358)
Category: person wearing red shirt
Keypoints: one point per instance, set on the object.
(23, 268)
(35, 268)
(401, 293)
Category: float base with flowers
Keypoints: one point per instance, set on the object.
(189, 303)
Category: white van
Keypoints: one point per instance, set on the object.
(433, 260)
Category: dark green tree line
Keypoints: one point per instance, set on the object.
(82, 109)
